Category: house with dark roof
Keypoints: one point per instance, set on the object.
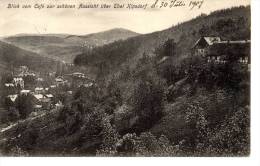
(42, 101)
(12, 97)
(201, 46)
(221, 51)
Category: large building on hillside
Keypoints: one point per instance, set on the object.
(217, 50)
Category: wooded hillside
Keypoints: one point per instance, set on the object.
(232, 24)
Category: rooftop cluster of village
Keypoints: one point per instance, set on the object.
(46, 90)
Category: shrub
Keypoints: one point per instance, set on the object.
(148, 101)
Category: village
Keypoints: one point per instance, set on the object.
(46, 91)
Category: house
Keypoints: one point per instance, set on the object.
(23, 69)
(37, 107)
(10, 100)
(12, 97)
(10, 88)
(78, 74)
(220, 51)
(17, 81)
(58, 105)
(25, 92)
(52, 86)
(44, 101)
(39, 79)
(87, 85)
(60, 81)
(51, 74)
(9, 85)
(49, 96)
(39, 90)
(202, 45)
(39, 97)
(224, 51)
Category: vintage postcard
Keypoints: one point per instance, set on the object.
(125, 78)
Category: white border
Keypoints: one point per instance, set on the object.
(255, 82)
(253, 160)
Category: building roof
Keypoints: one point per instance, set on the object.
(38, 88)
(212, 40)
(77, 73)
(38, 96)
(53, 86)
(37, 106)
(209, 40)
(88, 85)
(59, 80)
(12, 97)
(9, 84)
(39, 79)
(235, 42)
(25, 91)
(49, 95)
(59, 104)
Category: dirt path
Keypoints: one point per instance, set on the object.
(5, 129)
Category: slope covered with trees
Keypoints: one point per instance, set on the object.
(12, 57)
(229, 24)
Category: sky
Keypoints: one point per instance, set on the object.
(86, 21)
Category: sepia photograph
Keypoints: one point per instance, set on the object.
(125, 78)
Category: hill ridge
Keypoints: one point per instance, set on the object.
(66, 47)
